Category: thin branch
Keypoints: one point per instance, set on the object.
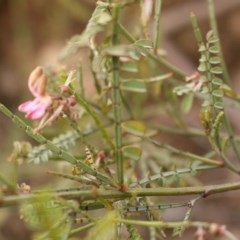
(190, 156)
(158, 5)
(117, 101)
(83, 195)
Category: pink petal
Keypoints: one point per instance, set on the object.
(35, 109)
(35, 114)
(26, 106)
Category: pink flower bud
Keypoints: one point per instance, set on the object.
(71, 101)
(36, 108)
(200, 233)
(217, 230)
(37, 82)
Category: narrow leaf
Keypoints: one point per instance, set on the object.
(134, 127)
(186, 103)
(146, 43)
(122, 51)
(229, 91)
(158, 78)
(132, 152)
(129, 67)
(133, 86)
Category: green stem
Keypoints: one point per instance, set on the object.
(52, 234)
(60, 152)
(118, 3)
(68, 227)
(190, 156)
(213, 23)
(84, 195)
(227, 162)
(80, 179)
(75, 126)
(165, 64)
(179, 74)
(231, 134)
(188, 132)
(126, 34)
(197, 32)
(97, 121)
(158, 4)
(80, 81)
(199, 133)
(174, 225)
(117, 103)
(81, 229)
(165, 225)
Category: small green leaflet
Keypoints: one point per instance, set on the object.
(136, 128)
(133, 86)
(133, 152)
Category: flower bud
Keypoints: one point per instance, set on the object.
(65, 89)
(200, 233)
(217, 230)
(72, 101)
(37, 82)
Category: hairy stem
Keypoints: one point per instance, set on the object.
(117, 101)
(165, 225)
(83, 195)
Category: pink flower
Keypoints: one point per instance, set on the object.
(36, 108)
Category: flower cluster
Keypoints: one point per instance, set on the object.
(45, 107)
(214, 230)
